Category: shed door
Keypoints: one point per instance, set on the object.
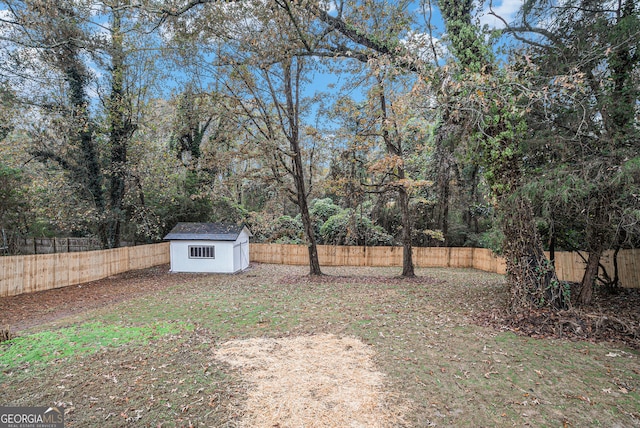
(244, 254)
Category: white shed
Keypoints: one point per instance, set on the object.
(209, 247)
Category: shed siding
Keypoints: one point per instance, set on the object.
(230, 256)
(223, 262)
(242, 258)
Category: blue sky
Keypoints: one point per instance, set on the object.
(507, 9)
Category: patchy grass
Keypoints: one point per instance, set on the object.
(72, 341)
(445, 369)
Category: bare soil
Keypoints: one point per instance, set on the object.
(311, 381)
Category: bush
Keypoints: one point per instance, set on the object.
(346, 228)
(322, 209)
(281, 230)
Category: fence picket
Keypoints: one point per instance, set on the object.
(569, 265)
(25, 274)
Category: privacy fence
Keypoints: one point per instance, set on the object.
(569, 265)
(26, 274)
(57, 245)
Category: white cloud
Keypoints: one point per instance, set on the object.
(505, 9)
(5, 15)
(329, 6)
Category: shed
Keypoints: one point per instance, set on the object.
(209, 247)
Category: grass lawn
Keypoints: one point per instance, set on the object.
(149, 360)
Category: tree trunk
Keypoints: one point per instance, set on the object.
(552, 245)
(89, 171)
(314, 262)
(589, 278)
(443, 189)
(531, 278)
(121, 131)
(395, 149)
(443, 214)
(297, 168)
(407, 249)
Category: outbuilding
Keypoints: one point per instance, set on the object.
(209, 247)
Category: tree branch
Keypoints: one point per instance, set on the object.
(395, 52)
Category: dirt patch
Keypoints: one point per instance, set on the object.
(32, 309)
(310, 381)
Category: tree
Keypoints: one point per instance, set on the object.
(498, 128)
(393, 143)
(583, 57)
(53, 30)
(348, 171)
(194, 116)
(7, 110)
(276, 119)
(62, 42)
(266, 82)
(13, 199)
(121, 122)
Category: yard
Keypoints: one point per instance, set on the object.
(274, 348)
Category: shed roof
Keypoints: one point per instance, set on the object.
(206, 231)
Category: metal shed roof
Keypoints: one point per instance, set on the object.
(206, 231)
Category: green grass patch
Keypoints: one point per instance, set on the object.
(86, 338)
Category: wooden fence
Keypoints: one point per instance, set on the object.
(22, 246)
(569, 265)
(55, 245)
(26, 274)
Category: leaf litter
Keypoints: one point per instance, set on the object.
(425, 337)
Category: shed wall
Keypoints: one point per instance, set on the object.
(222, 263)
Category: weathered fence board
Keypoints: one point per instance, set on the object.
(569, 265)
(27, 274)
